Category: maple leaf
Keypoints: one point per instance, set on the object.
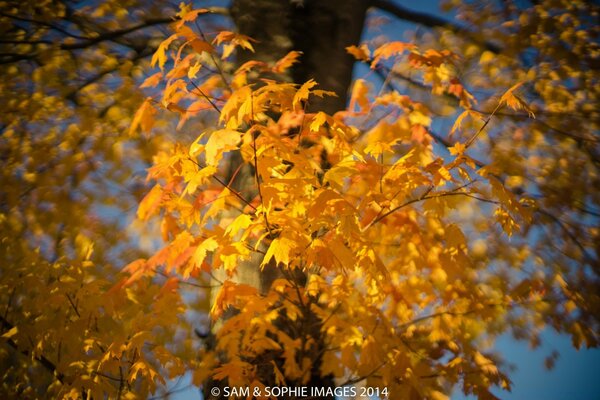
(236, 372)
(201, 46)
(233, 40)
(144, 117)
(286, 61)
(303, 93)
(343, 255)
(152, 80)
(219, 142)
(378, 148)
(209, 244)
(150, 203)
(229, 294)
(11, 332)
(319, 120)
(360, 53)
(188, 15)
(193, 71)
(515, 102)
(136, 269)
(160, 56)
(360, 91)
(281, 249)
(388, 50)
(460, 118)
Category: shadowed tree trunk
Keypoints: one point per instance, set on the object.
(321, 30)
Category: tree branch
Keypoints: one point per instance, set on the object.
(114, 34)
(431, 21)
(49, 365)
(426, 196)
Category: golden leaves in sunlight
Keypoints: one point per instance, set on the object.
(514, 101)
(386, 245)
(361, 53)
(143, 118)
(390, 50)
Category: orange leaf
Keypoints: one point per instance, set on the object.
(219, 142)
(231, 293)
(303, 93)
(150, 203)
(360, 91)
(144, 117)
(361, 53)
(459, 120)
(160, 56)
(136, 270)
(201, 46)
(390, 49)
(152, 80)
(279, 249)
(209, 244)
(287, 61)
(514, 101)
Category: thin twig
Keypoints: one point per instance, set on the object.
(217, 65)
(487, 121)
(426, 197)
(206, 97)
(73, 305)
(186, 282)
(221, 182)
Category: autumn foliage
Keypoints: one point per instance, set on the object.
(387, 244)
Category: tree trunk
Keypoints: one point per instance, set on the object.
(321, 30)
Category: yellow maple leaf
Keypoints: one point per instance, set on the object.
(360, 92)
(515, 102)
(342, 253)
(318, 121)
(459, 120)
(144, 117)
(232, 40)
(241, 222)
(417, 117)
(458, 149)
(209, 244)
(201, 46)
(11, 332)
(160, 55)
(219, 142)
(152, 80)
(378, 148)
(230, 294)
(388, 50)
(150, 203)
(193, 71)
(280, 249)
(286, 61)
(485, 364)
(361, 53)
(303, 93)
